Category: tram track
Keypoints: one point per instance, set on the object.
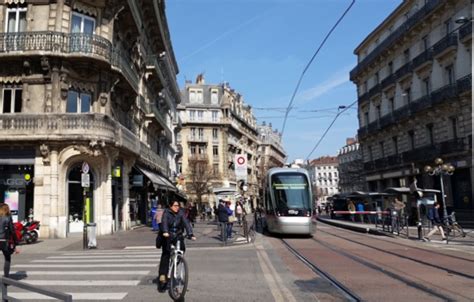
(406, 245)
(451, 271)
(426, 287)
(346, 292)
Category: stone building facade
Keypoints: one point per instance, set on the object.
(217, 125)
(325, 177)
(414, 87)
(351, 167)
(86, 87)
(270, 150)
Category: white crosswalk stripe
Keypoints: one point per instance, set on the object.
(88, 275)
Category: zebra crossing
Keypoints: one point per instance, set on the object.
(86, 275)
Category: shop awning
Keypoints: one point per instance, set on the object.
(158, 181)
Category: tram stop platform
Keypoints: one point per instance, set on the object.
(411, 233)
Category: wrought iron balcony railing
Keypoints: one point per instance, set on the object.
(465, 31)
(68, 44)
(450, 40)
(422, 58)
(464, 84)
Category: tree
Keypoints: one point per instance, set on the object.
(199, 176)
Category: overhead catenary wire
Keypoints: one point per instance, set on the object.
(288, 109)
(328, 128)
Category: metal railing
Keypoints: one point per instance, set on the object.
(32, 288)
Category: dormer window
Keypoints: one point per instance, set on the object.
(214, 96)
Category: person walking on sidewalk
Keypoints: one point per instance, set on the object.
(351, 208)
(231, 218)
(222, 218)
(8, 239)
(239, 212)
(433, 216)
(173, 221)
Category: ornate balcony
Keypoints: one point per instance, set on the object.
(464, 84)
(422, 58)
(448, 42)
(198, 139)
(152, 111)
(404, 70)
(64, 127)
(50, 43)
(465, 32)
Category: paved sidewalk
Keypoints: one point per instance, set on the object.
(412, 234)
(207, 233)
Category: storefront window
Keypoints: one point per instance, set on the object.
(16, 189)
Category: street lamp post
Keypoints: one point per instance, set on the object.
(441, 169)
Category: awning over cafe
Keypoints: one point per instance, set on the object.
(158, 181)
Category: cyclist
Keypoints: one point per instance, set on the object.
(174, 221)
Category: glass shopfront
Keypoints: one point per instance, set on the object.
(16, 189)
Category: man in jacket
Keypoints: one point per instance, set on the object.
(173, 223)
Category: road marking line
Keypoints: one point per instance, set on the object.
(101, 257)
(283, 293)
(83, 282)
(84, 265)
(94, 260)
(75, 296)
(87, 273)
(114, 253)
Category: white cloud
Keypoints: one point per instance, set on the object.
(337, 79)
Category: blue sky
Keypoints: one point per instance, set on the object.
(261, 48)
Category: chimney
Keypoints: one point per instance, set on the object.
(200, 79)
(350, 141)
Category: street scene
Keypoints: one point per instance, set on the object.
(304, 150)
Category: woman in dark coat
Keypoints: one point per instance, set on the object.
(173, 221)
(8, 239)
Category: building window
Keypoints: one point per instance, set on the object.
(448, 26)
(199, 98)
(214, 97)
(193, 132)
(192, 96)
(366, 87)
(12, 99)
(215, 151)
(391, 102)
(81, 23)
(454, 127)
(390, 68)
(193, 149)
(382, 149)
(395, 144)
(407, 95)
(201, 133)
(366, 117)
(429, 130)
(215, 169)
(449, 71)
(200, 115)
(425, 43)
(376, 78)
(371, 156)
(426, 86)
(16, 20)
(406, 55)
(411, 139)
(192, 115)
(214, 133)
(379, 111)
(202, 150)
(78, 102)
(215, 114)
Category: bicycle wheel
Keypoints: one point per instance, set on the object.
(179, 279)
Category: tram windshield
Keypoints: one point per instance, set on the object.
(291, 191)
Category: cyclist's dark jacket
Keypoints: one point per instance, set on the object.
(175, 223)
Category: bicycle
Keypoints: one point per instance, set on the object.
(452, 227)
(178, 270)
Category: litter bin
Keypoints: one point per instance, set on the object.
(91, 240)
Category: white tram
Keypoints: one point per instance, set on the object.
(288, 206)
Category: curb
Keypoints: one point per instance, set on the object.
(360, 229)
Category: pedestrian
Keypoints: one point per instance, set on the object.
(173, 223)
(352, 209)
(231, 218)
(360, 209)
(239, 212)
(8, 238)
(396, 208)
(433, 216)
(222, 217)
